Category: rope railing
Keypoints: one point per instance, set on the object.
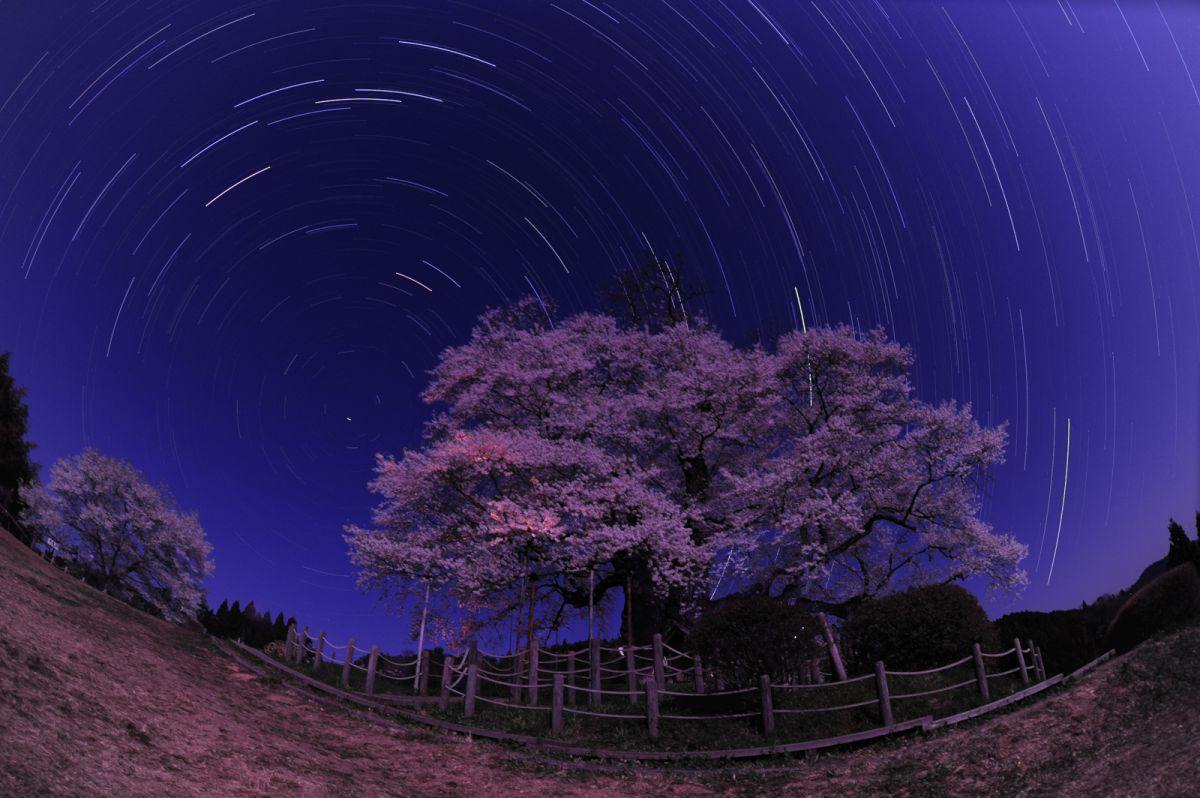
(509, 705)
(931, 670)
(643, 675)
(731, 716)
(812, 710)
(612, 715)
(828, 685)
(935, 691)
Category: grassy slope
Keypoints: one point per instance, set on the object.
(98, 699)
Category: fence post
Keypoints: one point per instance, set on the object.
(631, 673)
(473, 653)
(556, 705)
(835, 653)
(517, 676)
(472, 684)
(289, 648)
(304, 645)
(651, 709)
(768, 706)
(885, 698)
(372, 664)
(1037, 668)
(980, 672)
(1021, 661)
(1037, 653)
(346, 664)
(444, 696)
(319, 656)
(594, 672)
(423, 687)
(533, 673)
(571, 676)
(659, 676)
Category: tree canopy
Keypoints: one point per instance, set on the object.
(587, 455)
(127, 536)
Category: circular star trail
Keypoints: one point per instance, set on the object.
(234, 237)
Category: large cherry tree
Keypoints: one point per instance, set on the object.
(571, 459)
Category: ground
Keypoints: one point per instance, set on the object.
(99, 699)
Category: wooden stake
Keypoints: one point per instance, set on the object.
(980, 672)
(533, 674)
(472, 685)
(372, 663)
(447, 673)
(768, 706)
(594, 672)
(885, 698)
(835, 653)
(1021, 661)
(659, 675)
(651, 709)
(346, 663)
(556, 706)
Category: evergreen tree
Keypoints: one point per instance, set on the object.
(221, 620)
(1182, 549)
(236, 618)
(16, 469)
(279, 630)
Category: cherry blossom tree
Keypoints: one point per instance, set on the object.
(127, 536)
(865, 486)
(659, 460)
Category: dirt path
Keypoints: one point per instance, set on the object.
(98, 699)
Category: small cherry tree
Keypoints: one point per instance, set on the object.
(127, 536)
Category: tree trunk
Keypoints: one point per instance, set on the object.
(652, 611)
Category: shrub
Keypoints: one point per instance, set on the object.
(1064, 637)
(742, 639)
(922, 627)
(1166, 602)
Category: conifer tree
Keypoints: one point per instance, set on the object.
(220, 626)
(16, 469)
(1182, 549)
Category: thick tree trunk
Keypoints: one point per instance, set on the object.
(652, 611)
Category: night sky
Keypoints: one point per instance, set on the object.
(234, 237)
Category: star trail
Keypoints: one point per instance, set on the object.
(234, 237)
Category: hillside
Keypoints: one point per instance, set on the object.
(96, 698)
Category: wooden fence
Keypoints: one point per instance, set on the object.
(659, 685)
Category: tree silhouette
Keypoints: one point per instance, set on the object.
(17, 471)
(1182, 548)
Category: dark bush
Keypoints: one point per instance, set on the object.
(922, 627)
(1065, 637)
(1165, 603)
(742, 639)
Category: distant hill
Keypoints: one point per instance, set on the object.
(1153, 570)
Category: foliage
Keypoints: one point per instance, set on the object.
(1167, 602)
(581, 447)
(17, 471)
(1067, 638)
(246, 624)
(126, 536)
(1182, 549)
(923, 627)
(743, 638)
